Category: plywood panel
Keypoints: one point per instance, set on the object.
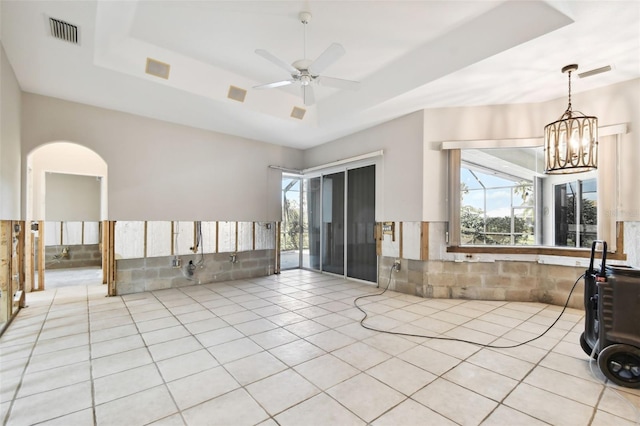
(129, 240)
(411, 240)
(52, 234)
(245, 236)
(71, 233)
(226, 237)
(158, 239)
(183, 237)
(265, 236)
(208, 237)
(91, 233)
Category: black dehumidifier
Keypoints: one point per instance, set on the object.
(612, 319)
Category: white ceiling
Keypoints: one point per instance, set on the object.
(408, 55)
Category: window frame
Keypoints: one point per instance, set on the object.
(614, 230)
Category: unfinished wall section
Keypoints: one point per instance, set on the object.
(157, 273)
(436, 273)
(73, 256)
(514, 281)
(159, 255)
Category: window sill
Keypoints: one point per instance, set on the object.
(536, 250)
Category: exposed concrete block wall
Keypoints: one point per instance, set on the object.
(78, 256)
(518, 281)
(156, 273)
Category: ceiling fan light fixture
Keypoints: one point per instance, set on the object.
(571, 142)
(306, 73)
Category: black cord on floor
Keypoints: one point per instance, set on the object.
(453, 339)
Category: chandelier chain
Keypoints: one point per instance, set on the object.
(569, 106)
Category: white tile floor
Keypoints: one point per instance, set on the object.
(288, 350)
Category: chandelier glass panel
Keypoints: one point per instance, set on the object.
(571, 142)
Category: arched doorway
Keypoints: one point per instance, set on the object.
(66, 202)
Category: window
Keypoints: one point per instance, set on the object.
(495, 209)
(564, 211)
(499, 196)
(576, 213)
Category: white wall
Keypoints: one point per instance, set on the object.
(10, 105)
(72, 197)
(164, 171)
(61, 157)
(398, 174)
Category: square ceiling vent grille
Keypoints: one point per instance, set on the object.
(157, 68)
(298, 113)
(63, 30)
(236, 93)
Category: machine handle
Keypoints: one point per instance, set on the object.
(604, 256)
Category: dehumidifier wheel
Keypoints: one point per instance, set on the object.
(586, 348)
(621, 364)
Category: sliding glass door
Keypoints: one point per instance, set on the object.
(312, 223)
(361, 221)
(333, 223)
(339, 219)
(290, 241)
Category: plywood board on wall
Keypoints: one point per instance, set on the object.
(411, 241)
(390, 245)
(129, 240)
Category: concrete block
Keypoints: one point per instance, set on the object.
(123, 276)
(441, 292)
(518, 268)
(415, 276)
(129, 264)
(483, 268)
(456, 267)
(520, 295)
(416, 265)
(249, 264)
(157, 285)
(406, 288)
(125, 288)
(468, 280)
(441, 279)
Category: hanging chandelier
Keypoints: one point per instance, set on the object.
(571, 142)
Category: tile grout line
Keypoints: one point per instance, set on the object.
(521, 381)
(154, 361)
(13, 399)
(93, 390)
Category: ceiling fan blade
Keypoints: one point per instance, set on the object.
(338, 83)
(307, 95)
(274, 84)
(326, 58)
(279, 62)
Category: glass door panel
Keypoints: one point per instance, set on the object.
(361, 244)
(291, 225)
(311, 224)
(333, 223)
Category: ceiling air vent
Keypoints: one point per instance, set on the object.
(236, 93)
(63, 30)
(298, 113)
(157, 68)
(595, 71)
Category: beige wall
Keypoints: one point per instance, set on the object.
(165, 171)
(399, 183)
(72, 197)
(10, 107)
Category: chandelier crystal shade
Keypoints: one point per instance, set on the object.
(571, 142)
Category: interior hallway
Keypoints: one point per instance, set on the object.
(288, 350)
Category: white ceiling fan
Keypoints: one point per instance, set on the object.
(306, 72)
